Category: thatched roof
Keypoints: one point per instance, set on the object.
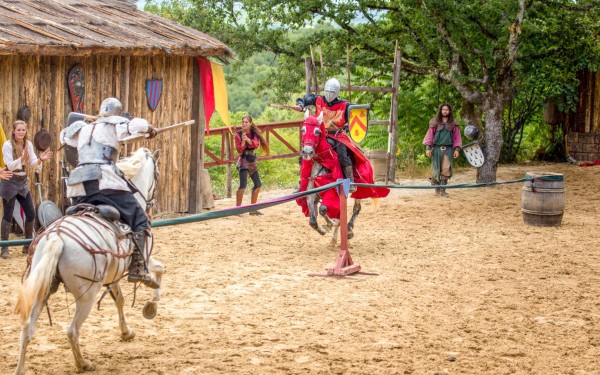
(85, 27)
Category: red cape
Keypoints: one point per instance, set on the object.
(363, 171)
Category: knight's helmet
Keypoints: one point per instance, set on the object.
(332, 89)
(111, 107)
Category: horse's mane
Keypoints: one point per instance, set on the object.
(132, 164)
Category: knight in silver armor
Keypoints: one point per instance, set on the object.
(97, 180)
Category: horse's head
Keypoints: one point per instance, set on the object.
(312, 132)
(141, 169)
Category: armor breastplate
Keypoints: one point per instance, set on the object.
(93, 152)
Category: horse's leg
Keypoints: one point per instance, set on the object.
(27, 332)
(355, 212)
(157, 269)
(328, 223)
(117, 295)
(83, 307)
(312, 203)
(336, 228)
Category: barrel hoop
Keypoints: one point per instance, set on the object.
(541, 190)
(553, 213)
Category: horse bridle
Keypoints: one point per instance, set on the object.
(314, 145)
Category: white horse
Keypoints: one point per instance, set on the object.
(85, 253)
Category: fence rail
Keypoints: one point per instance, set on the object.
(226, 155)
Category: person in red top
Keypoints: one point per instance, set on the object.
(335, 118)
(247, 141)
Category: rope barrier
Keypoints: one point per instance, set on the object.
(269, 203)
(242, 209)
(216, 214)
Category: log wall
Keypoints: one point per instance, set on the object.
(41, 83)
(583, 125)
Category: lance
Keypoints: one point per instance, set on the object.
(292, 107)
(135, 137)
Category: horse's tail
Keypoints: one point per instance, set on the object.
(37, 285)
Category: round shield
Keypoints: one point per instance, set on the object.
(24, 114)
(42, 140)
(48, 212)
(471, 132)
(71, 155)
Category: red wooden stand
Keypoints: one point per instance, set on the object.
(344, 265)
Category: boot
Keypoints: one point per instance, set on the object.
(253, 200)
(443, 190)
(434, 183)
(4, 232)
(350, 175)
(239, 195)
(28, 234)
(138, 272)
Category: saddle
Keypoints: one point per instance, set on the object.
(102, 211)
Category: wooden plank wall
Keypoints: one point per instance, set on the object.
(40, 82)
(586, 118)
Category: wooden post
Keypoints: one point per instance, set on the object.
(228, 148)
(322, 68)
(393, 127)
(344, 264)
(313, 68)
(348, 72)
(308, 70)
(197, 142)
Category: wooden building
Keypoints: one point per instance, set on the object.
(117, 48)
(583, 125)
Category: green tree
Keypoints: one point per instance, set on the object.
(476, 46)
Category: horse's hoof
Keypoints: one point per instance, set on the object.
(128, 336)
(87, 365)
(350, 235)
(149, 310)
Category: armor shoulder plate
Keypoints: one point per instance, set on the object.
(74, 128)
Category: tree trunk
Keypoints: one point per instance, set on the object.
(471, 115)
(493, 108)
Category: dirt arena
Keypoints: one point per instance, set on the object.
(464, 287)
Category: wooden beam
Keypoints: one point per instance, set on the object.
(362, 88)
(379, 122)
(307, 70)
(197, 148)
(393, 129)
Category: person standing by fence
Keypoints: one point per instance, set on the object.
(443, 143)
(247, 141)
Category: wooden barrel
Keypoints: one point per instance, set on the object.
(543, 199)
(378, 159)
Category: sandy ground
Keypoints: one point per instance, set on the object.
(464, 287)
